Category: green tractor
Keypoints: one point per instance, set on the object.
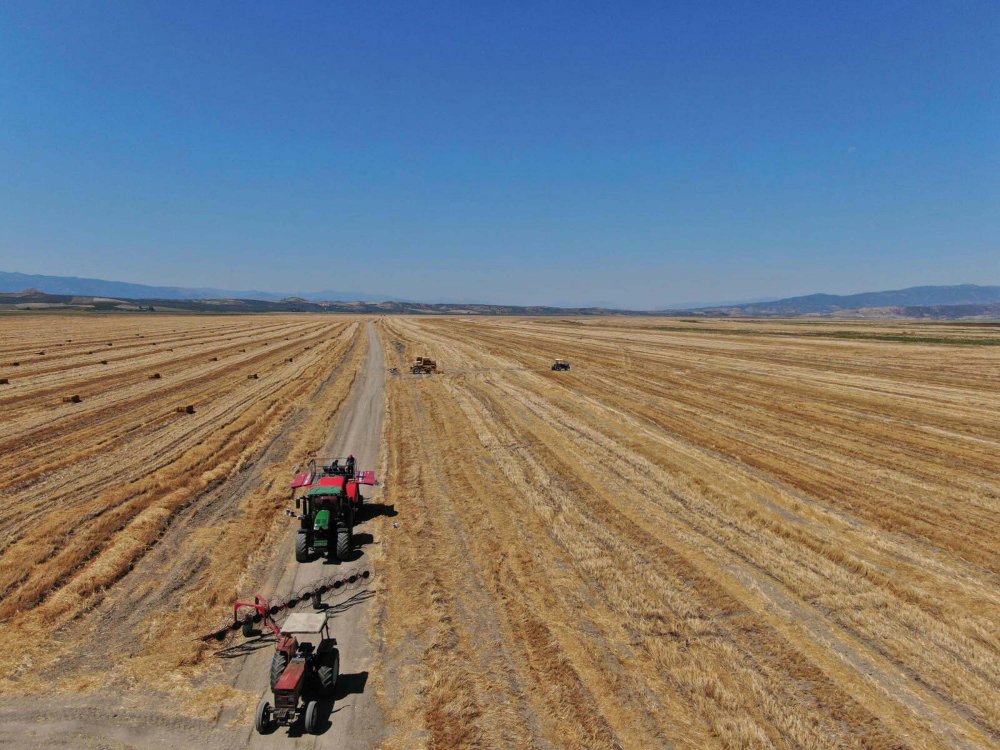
(327, 521)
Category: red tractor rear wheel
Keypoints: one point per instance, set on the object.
(328, 672)
(278, 663)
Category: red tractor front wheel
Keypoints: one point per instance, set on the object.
(262, 721)
(312, 717)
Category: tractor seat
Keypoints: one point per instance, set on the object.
(305, 648)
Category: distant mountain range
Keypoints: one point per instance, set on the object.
(944, 302)
(34, 299)
(704, 304)
(72, 285)
(832, 304)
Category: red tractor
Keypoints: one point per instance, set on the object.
(330, 501)
(305, 666)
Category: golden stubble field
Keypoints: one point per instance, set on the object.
(127, 527)
(715, 534)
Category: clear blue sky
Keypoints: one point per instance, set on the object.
(636, 153)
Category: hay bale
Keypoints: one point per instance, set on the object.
(288, 359)
(255, 376)
(41, 352)
(104, 361)
(4, 381)
(185, 409)
(155, 376)
(111, 343)
(215, 359)
(15, 364)
(74, 399)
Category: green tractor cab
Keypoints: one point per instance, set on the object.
(328, 500)
(327, 524)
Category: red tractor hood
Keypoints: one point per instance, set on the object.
(291, 677)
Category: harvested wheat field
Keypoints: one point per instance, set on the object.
(707, 534)
(130, 521)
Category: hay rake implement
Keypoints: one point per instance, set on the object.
(262, 611)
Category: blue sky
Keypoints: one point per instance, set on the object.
(635, 153)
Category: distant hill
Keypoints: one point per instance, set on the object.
(937, 302)
(72, 285)
(930, 312)
(714, 303)
(33, 299)
(826, 304)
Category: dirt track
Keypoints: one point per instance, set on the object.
(352, 720)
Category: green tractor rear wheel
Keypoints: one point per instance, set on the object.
(343, 543)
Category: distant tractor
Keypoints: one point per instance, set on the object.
(560, 364)
(305, 666)
(423, 366)
(330, 503)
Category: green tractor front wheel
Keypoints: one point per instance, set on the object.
(301, 547)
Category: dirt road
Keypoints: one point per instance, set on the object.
(351, 720)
